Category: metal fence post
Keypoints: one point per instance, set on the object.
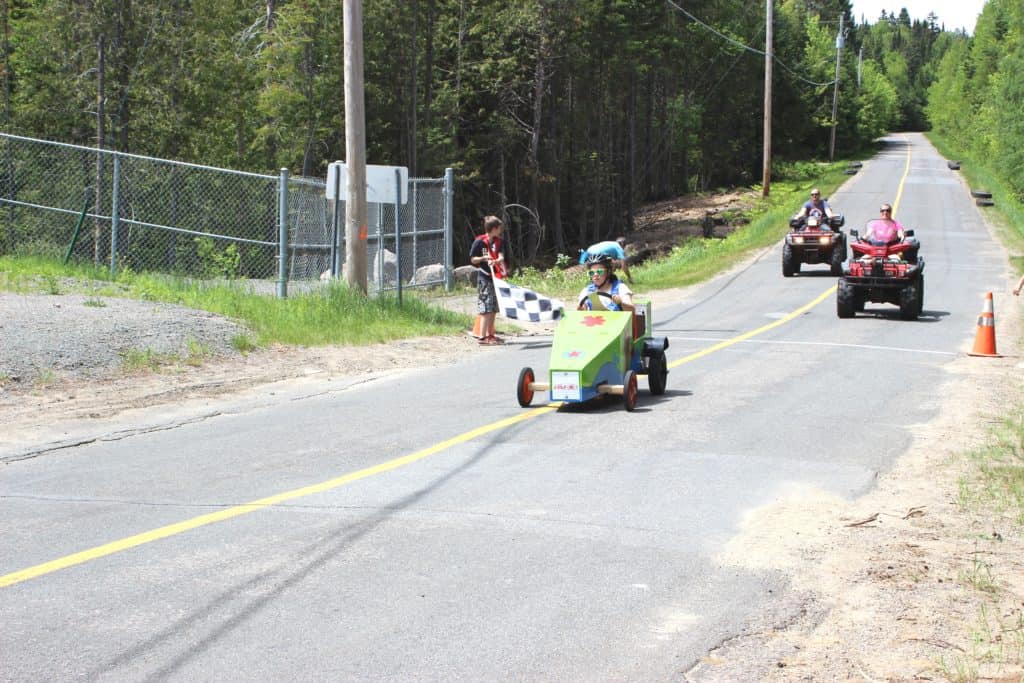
(380, 248)
(413, 187)
(335, 246)
(282, 235)
(449, 203)
(398, 234)
(115, 212)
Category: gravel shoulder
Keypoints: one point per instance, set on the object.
(900, 584)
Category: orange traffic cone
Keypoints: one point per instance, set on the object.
(478, 326)
(985, 337)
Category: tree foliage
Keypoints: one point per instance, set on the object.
(580, 111)
(977, 97)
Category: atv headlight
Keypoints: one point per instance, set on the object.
(825, 239)
(798, 240)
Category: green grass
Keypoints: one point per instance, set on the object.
(45, 377)
(1000, 469)
(331, 315)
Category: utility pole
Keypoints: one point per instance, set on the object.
(355, 148)
(835, 91)
(766, 178)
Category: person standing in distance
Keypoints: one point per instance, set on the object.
(613, 249)
(488, 255)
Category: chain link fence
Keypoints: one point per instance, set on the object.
(126, 211)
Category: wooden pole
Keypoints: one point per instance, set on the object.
(766, 179)
(835, 91)
(355, 148)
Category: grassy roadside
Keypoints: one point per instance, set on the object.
(994, 484)
(1007, 215)
(991, 493)
(331, 315)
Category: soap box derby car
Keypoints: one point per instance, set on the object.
(600, 352)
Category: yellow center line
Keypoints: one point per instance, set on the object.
(753, 333)
(247, 508)
(234, 511)
(899, 190)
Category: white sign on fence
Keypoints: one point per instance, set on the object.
(380, 183)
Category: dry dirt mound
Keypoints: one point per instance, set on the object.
(661, 226)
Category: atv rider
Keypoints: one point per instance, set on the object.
(815, 206)
(603, 279)
(887, 230)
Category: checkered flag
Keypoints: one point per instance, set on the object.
(526, 305)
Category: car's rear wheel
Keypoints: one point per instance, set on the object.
(787, 261)
(629, 390)
(845, 296)
(523, 391)
(657, 373)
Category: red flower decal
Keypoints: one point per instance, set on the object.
(592, 320)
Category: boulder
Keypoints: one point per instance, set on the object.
(465, 274)
(432, 273)
(390, 270)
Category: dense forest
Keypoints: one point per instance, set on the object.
(578, 110)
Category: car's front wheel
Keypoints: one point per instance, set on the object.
(524, 390)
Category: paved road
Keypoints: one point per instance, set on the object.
(424, 527)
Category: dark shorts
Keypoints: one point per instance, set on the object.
(486, 299)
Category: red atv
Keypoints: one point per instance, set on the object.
(882, 272)
(814, 239)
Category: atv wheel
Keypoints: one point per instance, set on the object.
(838, 256)
(845, 300)
(908, 301)
(523, 391)
(629, 390)
(657, 374)
(787, 261)
(920, 294)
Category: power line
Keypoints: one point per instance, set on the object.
(748, 48)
